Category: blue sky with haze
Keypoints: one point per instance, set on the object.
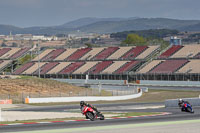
(26, 13)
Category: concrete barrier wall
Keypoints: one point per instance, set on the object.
(78, 99)
(174, 102)
(169, 83)
(90, 81)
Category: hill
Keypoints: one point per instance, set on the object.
(152, 33)
(89, 20)
(107, 25)
(138, 24)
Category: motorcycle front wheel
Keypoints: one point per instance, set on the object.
(90, 116)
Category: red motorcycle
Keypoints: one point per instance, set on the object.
(91, 114)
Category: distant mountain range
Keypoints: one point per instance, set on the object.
(106, 25)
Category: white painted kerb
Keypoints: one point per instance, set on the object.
(77, 99)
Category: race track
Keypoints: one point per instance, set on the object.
(176, 115)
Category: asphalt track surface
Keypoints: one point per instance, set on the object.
(176, 115)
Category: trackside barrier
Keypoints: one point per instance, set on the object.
(174, 102)
(77, 99)
(7, 101)
(92, 81)
(0, 114)
(168, 83)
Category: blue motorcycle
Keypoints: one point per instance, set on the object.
(187, 108)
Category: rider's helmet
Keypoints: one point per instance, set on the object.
(82, 103)
(180, 101)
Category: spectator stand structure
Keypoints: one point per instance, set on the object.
(10, 55)
(98, 63)
(179, 63)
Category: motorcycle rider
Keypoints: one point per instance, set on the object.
(181, 102)
(83, 103)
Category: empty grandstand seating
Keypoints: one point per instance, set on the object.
(4, 63)
(48, 66)
(78, 54)
(99, 67)
(53, 54)
(149, 66)
(133, 53)
(147, 52)
(127, 67)
(8, 54)
(101, 60)
(170, 51)
(187, 51)
(113, 67)
(4, 50)
(58, 67)
(23, 68)
(105, 53)
(92, 53)
(121, 51)
(191, 67)
(169, 66)
(65, 54)
(85, 67)
(43, 54)
(71, 68)
(34, 68)
(19, 53)
(197, 55)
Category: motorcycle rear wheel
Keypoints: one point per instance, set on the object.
(101, 117)
(190, 110)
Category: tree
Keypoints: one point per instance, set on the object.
(89, 45)
(134, 39)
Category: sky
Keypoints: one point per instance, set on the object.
(26, 13)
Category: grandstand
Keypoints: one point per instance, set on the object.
(12, 53)
(8, 55)
(92, 61)
(176, 63)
